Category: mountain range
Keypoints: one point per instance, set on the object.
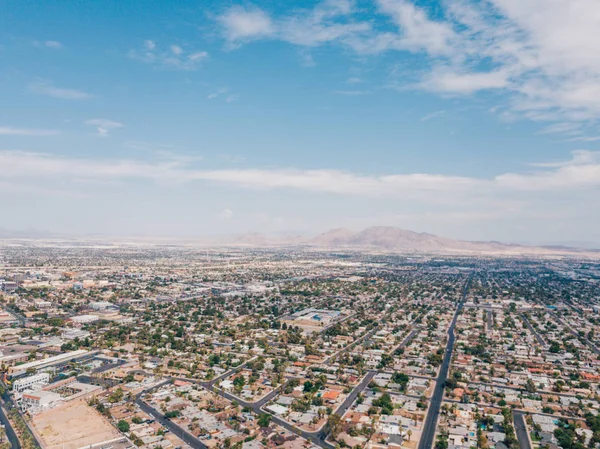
(376, 238)
(387, 238)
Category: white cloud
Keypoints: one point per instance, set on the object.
(581, 172)
(225, 214)
(543, 55)
(11, 131)
(584, 139)
(198, 56)
(103, 126)
(310, 28)
(561, 128)
(243, 24)
(433, 115)
(55, 45)
(543, 197)
(417, 31)
(48, 89)
(175, 57)
(463, 83)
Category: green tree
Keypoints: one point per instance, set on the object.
(123, 426)
(334, 423)
(264, 420)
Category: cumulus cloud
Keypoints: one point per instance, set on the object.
(542, 54)
(416, 30)
(325, 23)
(241, 23)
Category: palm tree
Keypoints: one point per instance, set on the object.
(409, 433)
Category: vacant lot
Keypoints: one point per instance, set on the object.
(73, 425)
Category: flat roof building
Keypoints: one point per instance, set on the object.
(19, 370)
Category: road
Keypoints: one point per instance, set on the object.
(435, 404)
(108, 366)
(519, 389)
(538, 337)
(10, 433)
(343, 408)
(318, 437)
(364, 337)
(521, 429)
(174, 428)
(576, 334)
(351, 345)
(22, 320)
(406, 341)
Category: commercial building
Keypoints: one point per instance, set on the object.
(55, 394)
(72, 334)
(31, 382)
(84, 319)
(39, 401)
(103, 305)
(50, 362)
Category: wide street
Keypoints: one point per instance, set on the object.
(435, 404)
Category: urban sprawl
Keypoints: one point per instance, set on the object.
(167, 346)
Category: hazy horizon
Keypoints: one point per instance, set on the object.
(281, 236)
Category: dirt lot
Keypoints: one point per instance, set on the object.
(73, 425)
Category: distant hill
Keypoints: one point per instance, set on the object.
(395, 239)
(333, 237)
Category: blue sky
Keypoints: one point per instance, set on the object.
(470, 119)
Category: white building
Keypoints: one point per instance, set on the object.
(50, 362)
(43, 304)
(84, 319)
(72, 334)
(31, 382)
(39, 401)
(102, 305)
